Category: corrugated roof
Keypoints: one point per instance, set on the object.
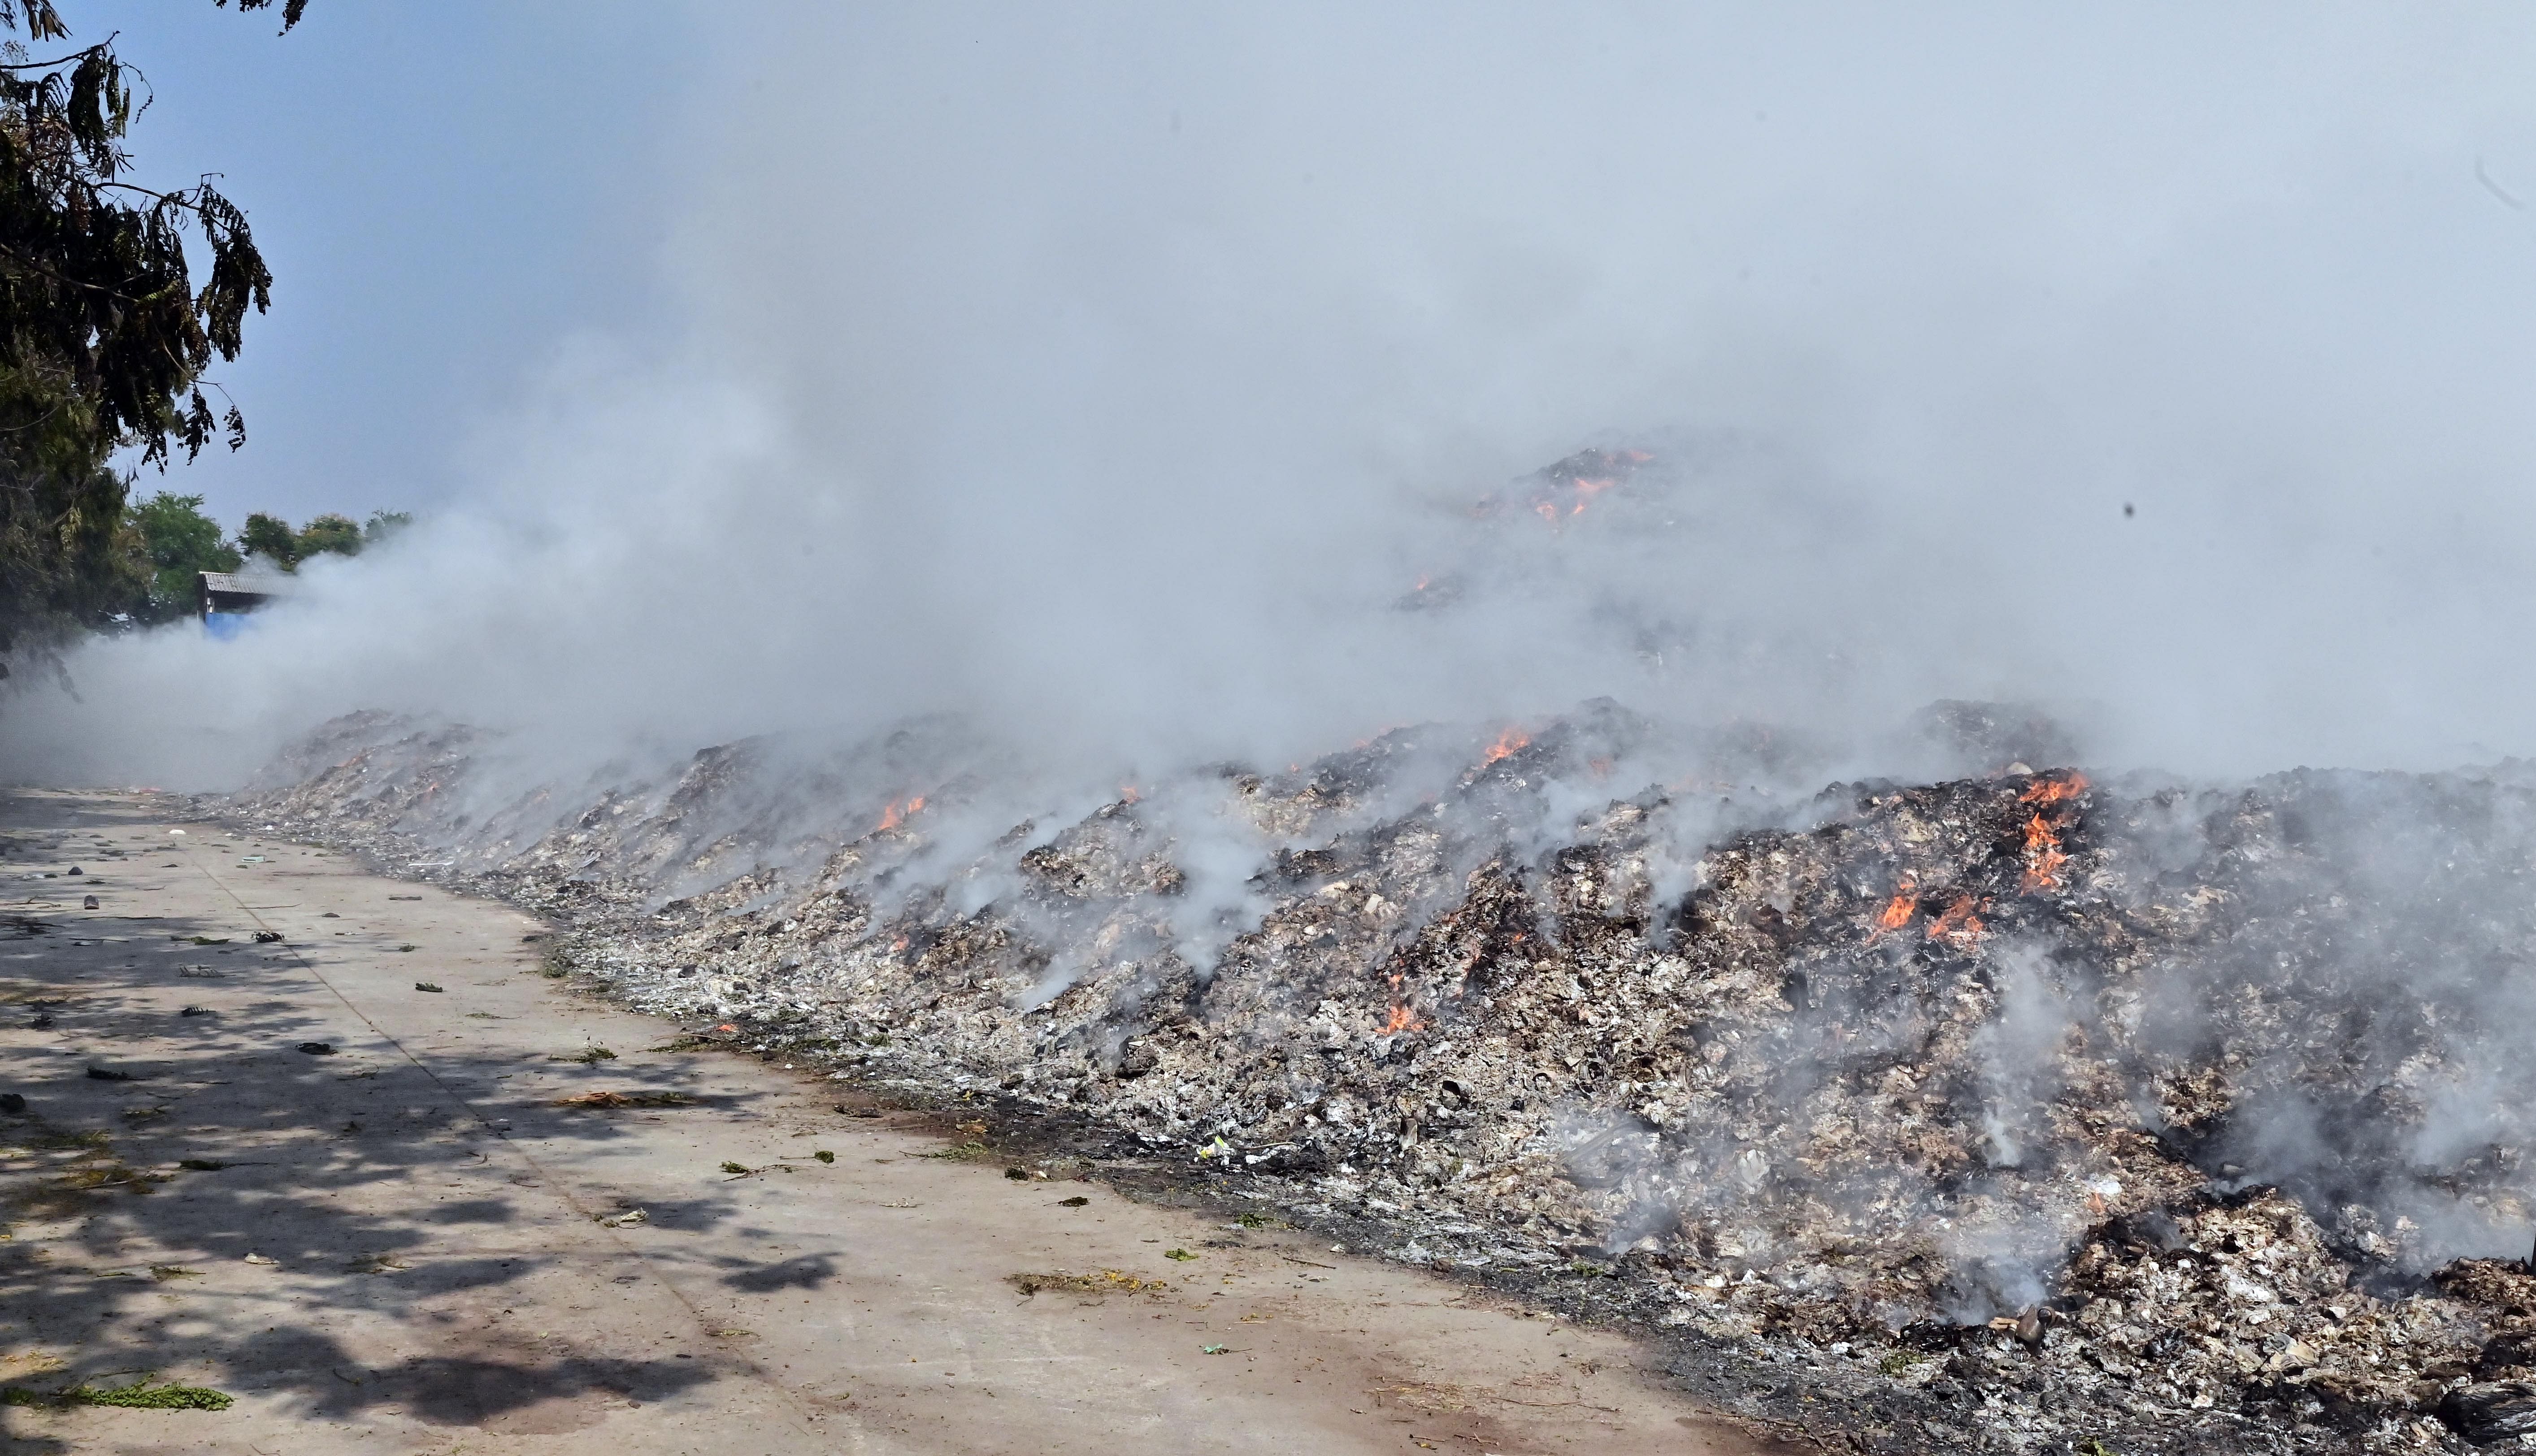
(256, 585)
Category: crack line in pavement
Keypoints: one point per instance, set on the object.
(625, 1249)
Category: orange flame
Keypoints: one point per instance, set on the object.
(2053, 790)
(1898, 913)
(1506, 746)
(1957, 923)
(897, 813)
(1402, 1019)
(2043, 856)
(1546, 511)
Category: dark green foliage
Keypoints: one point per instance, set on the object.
(330, 533)
(271, 538)
(180, 542)
(383, 526)
(104, 331)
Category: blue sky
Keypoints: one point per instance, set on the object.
(443, 191)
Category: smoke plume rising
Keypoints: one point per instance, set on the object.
(1105, 380)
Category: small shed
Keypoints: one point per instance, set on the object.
(227, 596)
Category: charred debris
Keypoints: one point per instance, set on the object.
(2011, 1112)
(2016, 1109)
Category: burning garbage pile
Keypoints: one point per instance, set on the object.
(2033, 1105)
(2010, 1109)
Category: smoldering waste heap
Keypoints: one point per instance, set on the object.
(2010, 1113)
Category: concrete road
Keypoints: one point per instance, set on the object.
(370, 1212)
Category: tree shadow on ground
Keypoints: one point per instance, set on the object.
(371, 1179)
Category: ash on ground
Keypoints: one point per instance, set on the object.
(2011, 1112)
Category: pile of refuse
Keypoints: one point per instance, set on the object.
(2017, 1110)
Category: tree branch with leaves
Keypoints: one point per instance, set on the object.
(105, 333)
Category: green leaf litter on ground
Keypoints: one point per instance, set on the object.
(1181, 1254)
(138, 1395)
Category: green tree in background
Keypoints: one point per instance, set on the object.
(105, 333)
(180, 542)
(384, 526)
(330, 533)
(271, 538)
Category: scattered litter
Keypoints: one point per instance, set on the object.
(1106, 1281)
(165, 1272)
(330, 915)
(626, 1220)
(737, 1170)
(405, 897)
(201, 973)
(1181, 1254)
(201, 1165)
(588, 1056)
(176, 832)
(733, 1334)
(824, 1156)
(75, 869)
(101, 1074)
(142, 1114)
(408, 946)
(1213, 1349)
(195, 1011)
(377, 1264)
(262, 1261)
(1077, 1201)
(209, 940)
(426, 985)
(89, 902)
(902, 1203)
(1018, 1174)
(267, 937)
(242, 863)
(318, 1049)
(604, 1100)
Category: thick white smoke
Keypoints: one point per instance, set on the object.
(1107, 376)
